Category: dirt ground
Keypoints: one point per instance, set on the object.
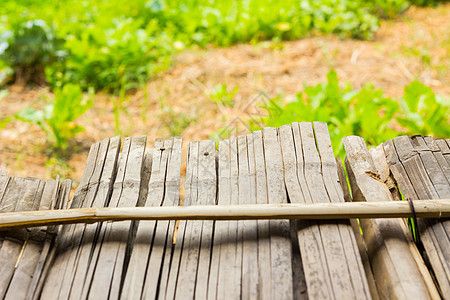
(177, 101)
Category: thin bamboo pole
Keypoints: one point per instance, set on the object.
(320, 211)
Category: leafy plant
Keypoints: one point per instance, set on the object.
(423, 112)
(29, 48)
(222, 96)
(57, 119)
(366, 112)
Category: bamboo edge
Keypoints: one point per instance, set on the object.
(320, 211)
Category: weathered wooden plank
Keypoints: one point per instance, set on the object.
(206, 189)
(264, 255)
(309, 237)
(431, 165)
(185, 286)
(444, 148)
(379, 157)
(280, 240)
(171, 198)
(415, 185)
(32, 272)
(134, 280)
(163, 236)
(340, 276)
(355, 270)
(106, 282)
(54, 280)
(357, 232)
(394, 267)
(98, 196)
(82, 239)
(247, 195)
(414, 167)
(20, 196)
(223, 251)
(49, 249)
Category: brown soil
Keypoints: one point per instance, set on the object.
(416, 46)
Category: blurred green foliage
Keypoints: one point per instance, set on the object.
(364, 112)
(57, 119)
(112, 44)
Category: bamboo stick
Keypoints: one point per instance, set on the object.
(347, 210)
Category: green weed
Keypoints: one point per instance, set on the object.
(57, 119)
(366, 112)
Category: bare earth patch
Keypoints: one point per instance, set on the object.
(416, 46)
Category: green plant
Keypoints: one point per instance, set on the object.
(423, 112)
(222, 96)
(57, 119)
(390, 8)
(366, 112)
(29, 48)
(174, 122)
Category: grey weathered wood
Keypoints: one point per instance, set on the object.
(265, 269)
(394, 267)
(280, 241)
(357, 232)
(247, 195)
(20, 196)
(358, 282)
(171, 198)
(444, 148)
(379, 157)
(163, 237)
(206, 189)
(223, 266)
(83, 235)
(200, 189)
(48, 201)
(432, 167)
(54, 280)
(106, 281)
(415, 184)
(98, 196)
(49, 249)
(134, 280)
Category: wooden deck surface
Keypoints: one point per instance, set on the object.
(244, 259)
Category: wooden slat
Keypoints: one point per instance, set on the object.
(414, 184)
(49, 247)
(106, 281)
(394, 267)
(444, 149)
(98, 196)
(30, 266)
(280, 241)
(200, 189)
(171, 198)
(379, 157)
(247, 195)
(225, 266)
(83, 235)
(432, 167)
(134, 280)
(163, 237)
(264, 255)
(357, 285)
(54, 281)
(19, 196)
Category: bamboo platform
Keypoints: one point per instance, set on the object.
(236, 258)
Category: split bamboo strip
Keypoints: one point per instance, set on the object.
(320, 211)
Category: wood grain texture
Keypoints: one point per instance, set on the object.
(393, 264)
(413, 178)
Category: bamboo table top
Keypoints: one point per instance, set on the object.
(248, 259)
